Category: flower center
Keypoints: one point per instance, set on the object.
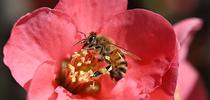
(77, 72)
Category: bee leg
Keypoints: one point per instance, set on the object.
(100, 48)
(109, 68)
(97, 73)
(89, 48)
(102, 71)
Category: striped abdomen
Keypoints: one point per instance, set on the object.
(118, 64)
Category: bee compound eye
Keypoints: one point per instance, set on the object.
(92, 39)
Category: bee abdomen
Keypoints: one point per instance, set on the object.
(118, 72)
(122, 63)
(122, 66)
(116, 75)
(122, 69)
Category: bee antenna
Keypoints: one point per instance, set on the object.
(81, 41)
(83, 34)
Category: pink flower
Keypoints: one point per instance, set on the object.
(189, 80)
(41, 40)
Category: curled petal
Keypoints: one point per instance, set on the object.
(185, 31)
(63, 94)
(187, 28)
(43, 83)
(88, 15)
(149, 36)
(188, 79)
(42, 35)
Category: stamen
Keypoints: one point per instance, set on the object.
(79, 64)
(75, 55)
(77, 70)
(73, 77)
(88, 62)
(72, 68)
(83, 76)
(94, 87)
(81, 72)
(82, 59)
(84, 52)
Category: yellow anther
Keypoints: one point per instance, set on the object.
(90, 72)
(83, 76)
(81, 72)
(82, 59)
(75, 55)
(84, 52)
(73, 77)
(94, 87)
(79, 64)
(72, 68)
(88, 62)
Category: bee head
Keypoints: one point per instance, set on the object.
(91, 39)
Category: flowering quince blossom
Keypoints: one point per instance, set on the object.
(188, 77)
(41, 40)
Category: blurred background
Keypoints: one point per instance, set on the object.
(173, 10)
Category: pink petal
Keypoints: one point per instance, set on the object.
(145, 28)
(166, 90)
(185, 31)
(187, 28)
(63, 94)
(160, 93)
(89, 15)
(198, 92)
(149, 36)
(187, 79)
(188, 76)
(36, 37)
(43, 83)
(127, 89)
(190, 83)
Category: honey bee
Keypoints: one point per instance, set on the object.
(112, 54)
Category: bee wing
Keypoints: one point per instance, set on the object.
(132, 55)
(126, 52)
